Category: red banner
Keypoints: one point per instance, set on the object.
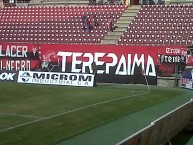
(19, 56)
(110, 59)
(80, 56)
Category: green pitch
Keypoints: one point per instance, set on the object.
(44, 115)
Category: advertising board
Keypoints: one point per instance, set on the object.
(10, 76)
(116, 64)
(187, 79)
(55, 78)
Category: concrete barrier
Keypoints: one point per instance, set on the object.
(163, 129)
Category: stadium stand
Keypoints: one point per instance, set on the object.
(160, 25)
(52, 22)
(55, 24)
(136, 25)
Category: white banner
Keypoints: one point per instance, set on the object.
(55, 78)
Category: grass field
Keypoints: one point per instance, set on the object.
(44, 115)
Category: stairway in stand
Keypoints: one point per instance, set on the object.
(122, 24)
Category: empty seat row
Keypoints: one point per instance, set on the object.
(154, 42)
(172, 25)
(50, 40)
(55, 24)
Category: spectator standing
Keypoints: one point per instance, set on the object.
(89, 25)
(84, 22)
(1, 4)
(95, 21)
(110, 24)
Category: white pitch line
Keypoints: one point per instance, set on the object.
(74, 110)
(11, 114)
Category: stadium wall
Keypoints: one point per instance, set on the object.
(163, 129)
(116, 64)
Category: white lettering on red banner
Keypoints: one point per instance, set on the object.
(176, 51)
(23, 65)
(14, 51)
(125, 65)
(172, 59)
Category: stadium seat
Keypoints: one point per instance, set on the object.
(44, 20)
(160, 24)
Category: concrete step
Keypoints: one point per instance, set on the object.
(124, 20)
(129, 14)
(126, 17)
(135, 7)
(35, 1)
(111, 37)
(131, 10)
(107, 41)
(122, 24)
(120, 29)
(118, 33)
